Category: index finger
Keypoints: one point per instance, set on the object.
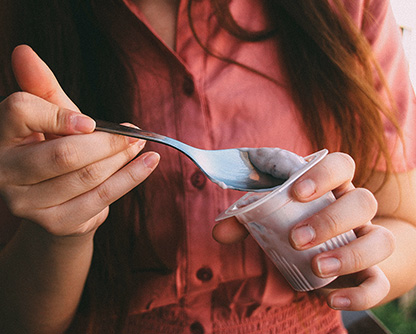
(23, 114)
(334, 173)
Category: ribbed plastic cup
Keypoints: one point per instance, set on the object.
(270, 216)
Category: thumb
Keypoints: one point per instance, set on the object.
(35, 77)
(229, 231)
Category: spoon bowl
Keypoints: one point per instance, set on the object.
(228, 168)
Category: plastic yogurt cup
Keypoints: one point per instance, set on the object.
(270, 216)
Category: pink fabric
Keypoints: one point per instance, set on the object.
(198, 99)
(302, 316)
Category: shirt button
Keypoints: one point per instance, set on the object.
(198, 179)
(188, 86)
(197, 328)
(204, 274)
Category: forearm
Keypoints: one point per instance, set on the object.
(41, 280)
(400, 267)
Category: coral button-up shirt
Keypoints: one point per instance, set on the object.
(203, 101)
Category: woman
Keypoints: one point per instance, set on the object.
(213, 74)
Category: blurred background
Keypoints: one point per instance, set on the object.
(405, 12)
(399, 316)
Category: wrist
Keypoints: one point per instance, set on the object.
(35, 231)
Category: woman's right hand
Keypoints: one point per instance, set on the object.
(54, 169)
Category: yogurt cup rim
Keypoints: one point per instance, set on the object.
(235, 210)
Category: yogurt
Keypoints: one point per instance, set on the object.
(275, 161)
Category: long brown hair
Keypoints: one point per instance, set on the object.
(329, 67)
(332, 76)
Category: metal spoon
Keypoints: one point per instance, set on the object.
(229, 168)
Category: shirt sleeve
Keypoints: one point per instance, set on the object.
(385, 38)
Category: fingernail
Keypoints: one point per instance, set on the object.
(303, 235)
(83, 123)
(305, 188)
(340, 302)
(151, 160)
(328, 266)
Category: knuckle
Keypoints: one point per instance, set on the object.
(389, 241)
(17, 207)
(367, 201)
(348, 161)
(58, 118)
(16, 104)
(17, 98)
(134, 178)
(65, 156)
(114, 144)
(357, 260)
(118, 143)
(61, 118)
(15, 202)
(52, 220)
(326, 221)
(104, 194)
(46, 222)
(134, 175)
(336, 169)
(90, 174)
(52, 227)
(131, 152)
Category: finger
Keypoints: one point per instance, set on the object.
(56, 191)
(229, 231)
(64, 219)
(368, 250)
(23, 114)
(334, 172)
(35, 77)
(56, 157)
(355, 208)
(372, 287)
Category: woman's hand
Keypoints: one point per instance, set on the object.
(54, 170)
(361, 284)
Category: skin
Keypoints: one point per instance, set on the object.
(51, 165)
(379, 265)
(162, 15)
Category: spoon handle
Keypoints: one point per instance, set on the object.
(128, 131)
(143, 134)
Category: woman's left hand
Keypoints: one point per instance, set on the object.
(361, 284)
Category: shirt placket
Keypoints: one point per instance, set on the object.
(198, 192)
(198, 272)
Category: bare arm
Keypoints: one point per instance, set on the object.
(41, 279)
(397, 212)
